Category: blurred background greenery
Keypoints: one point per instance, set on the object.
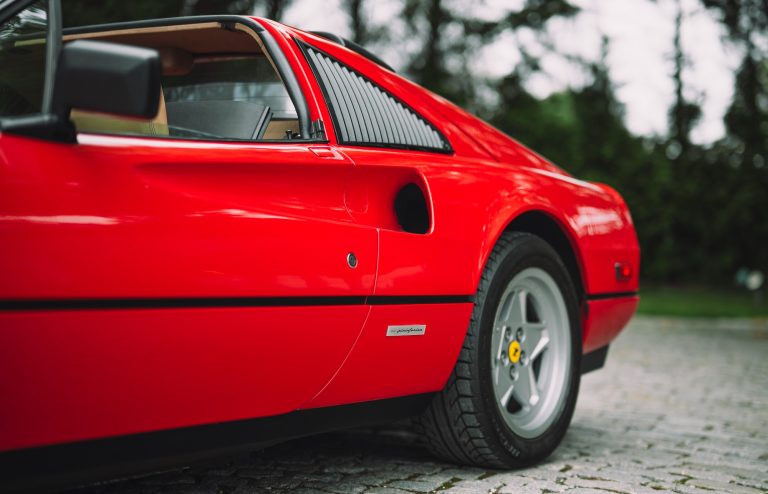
(701, 209)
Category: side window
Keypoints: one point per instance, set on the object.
(231, 90)
(366, 114)
(218, 83)
(22, 61)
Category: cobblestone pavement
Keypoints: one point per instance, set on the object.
(680, 407)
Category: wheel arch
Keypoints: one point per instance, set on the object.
(549, 228)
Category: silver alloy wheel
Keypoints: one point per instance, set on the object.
(530, 353)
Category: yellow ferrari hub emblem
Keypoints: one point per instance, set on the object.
(514, 351)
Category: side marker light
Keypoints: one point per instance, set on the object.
(623, 271)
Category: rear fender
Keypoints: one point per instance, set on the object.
(593, 218)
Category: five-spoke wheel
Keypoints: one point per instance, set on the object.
(530, 352)
(512, 393)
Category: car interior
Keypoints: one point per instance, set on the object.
(218, 83)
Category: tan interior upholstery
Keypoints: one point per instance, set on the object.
(177, 46)
(88, 121)
(198, 39)
(176, 61)
(277, 129)
(180, 47)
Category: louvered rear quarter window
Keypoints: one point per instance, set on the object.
(367, 115)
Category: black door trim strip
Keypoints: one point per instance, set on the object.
(420, 299)
(603, 296)
(212, 302)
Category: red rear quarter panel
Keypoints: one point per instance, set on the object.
(491, 179)
(475, 194)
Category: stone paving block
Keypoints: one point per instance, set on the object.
(416, 485)
(385, 490)
(527, 485)
(336, 487)
(585, 490)
(488, 485)
(349, 469)
(463, 473)
(721, 486)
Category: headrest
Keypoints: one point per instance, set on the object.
(176, 61)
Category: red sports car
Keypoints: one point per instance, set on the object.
(221, 232)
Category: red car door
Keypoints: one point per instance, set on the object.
(150, 283)
(207, 282)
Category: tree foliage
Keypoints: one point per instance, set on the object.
(701, 212)
(449, 37)
(364, 32)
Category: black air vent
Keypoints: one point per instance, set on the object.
(365, 114)
(411, 209)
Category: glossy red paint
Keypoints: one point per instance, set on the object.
(122, 217)
(381, 366)
(605, 319)
(84, 374)
(116, 217)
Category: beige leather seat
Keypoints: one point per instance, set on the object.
(175, 62)
(88, 121)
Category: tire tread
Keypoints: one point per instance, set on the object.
(453, 425)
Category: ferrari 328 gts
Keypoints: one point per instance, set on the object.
(221, 232)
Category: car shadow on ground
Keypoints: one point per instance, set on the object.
(389, 459)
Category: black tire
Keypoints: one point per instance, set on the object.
(464, 423)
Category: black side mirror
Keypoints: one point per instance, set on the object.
(108, 78)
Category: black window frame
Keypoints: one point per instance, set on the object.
(53, 33)
(304, 47)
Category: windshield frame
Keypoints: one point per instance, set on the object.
(53, 41)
